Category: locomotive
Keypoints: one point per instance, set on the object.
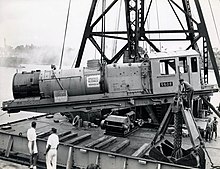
(154, 75)
(147, 87)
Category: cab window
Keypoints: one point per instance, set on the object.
(183, 65)
(194, 64)
(167, 67)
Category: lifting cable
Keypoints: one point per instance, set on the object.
(64, 39)
(114, 49)
(147, 19)
(96, 29)
(214, 21)
(103, 31)
(158, 23)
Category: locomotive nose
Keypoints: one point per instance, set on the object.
(26, 84)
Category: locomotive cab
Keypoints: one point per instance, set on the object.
(168, 67)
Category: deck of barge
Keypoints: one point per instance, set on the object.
(84, 136)
(64, 127)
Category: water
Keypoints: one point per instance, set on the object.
(6, 75)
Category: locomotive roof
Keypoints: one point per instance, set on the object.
(171, 54)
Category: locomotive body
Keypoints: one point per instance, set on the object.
(158, 73)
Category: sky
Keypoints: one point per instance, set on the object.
(42, 22)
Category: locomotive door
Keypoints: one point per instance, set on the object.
(184, 69)
(194, 71)
(189, 70)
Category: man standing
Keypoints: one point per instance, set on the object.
(32, 145)
(208, 135)
(185, 87)
(214, 127)
(51, 150)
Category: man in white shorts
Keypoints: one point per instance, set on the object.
(32, 145)
(51, 150)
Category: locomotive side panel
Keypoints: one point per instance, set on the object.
(92, 81)
(125, 77)
(78, 81)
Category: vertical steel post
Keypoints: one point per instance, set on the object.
(69, 162)
(204, 32)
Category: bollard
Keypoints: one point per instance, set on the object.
(70, 158)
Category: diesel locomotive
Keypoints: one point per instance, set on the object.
(154, 75)
(145, 86)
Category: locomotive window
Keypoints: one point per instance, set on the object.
(194, 64)
(183, 64)
(167, 67)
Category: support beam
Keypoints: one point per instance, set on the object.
(9, 145)
(121, 146)
(141, 151)
(86, 34)
(44, 134)
(204, 32)
(68, 137)
(80, 139)
(105, 143)
(151, 114)
(95, 142)
(64, 134)
(210, 105)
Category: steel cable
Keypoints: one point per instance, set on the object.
(214, 21)
(64, 39)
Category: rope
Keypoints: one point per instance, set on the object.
(214, 21)
(64, 39)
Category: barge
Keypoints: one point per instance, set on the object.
(125, 99)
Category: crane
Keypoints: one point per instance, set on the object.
(136, 32)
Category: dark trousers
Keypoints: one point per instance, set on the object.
(189, 98)
(208, 135)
